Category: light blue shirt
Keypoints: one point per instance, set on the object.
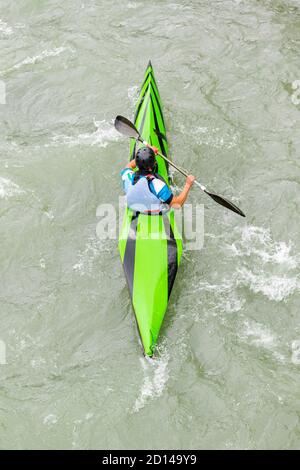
(158, 187)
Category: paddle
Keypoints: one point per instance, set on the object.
(126, 127)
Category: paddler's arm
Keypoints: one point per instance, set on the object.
(178, 201)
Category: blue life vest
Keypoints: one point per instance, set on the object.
(141, 199)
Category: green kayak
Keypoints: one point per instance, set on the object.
(150, 250)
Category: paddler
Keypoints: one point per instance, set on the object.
(145, 190)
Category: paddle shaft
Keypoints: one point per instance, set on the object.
(126, 127)
(183, 172)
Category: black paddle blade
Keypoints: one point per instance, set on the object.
(160, 134)
(224, 202)
(125, 127)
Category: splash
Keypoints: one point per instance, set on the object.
(224, 296)
(88, 256)
(133, 5)
(50, 419)
(37, 58)
(258, 241)
(133, 94)
(258, 335)
(276, 288)
(5, 30)
(269, 265)
(156, 375)
(261, 336)
(296, 352)
(104, 133)
(214, 137)
(8, 188)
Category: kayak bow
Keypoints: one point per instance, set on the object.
(150, 252)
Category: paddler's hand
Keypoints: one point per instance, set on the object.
(155, 149)
(131, 164)
(190, 180)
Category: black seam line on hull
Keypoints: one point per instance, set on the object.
(146, 78)
(136, 114)
(162, 145)
(160, 140)
(144, 116)
(129, 256)
(159, 107)
(172, 254)
(152, 79)
(143, 95)
(155, 89)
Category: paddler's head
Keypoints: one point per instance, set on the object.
(145, 160)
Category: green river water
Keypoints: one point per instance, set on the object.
(72, 375)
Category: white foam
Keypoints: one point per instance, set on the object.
(178, 6)
(219, 288)
(258, 241)
(269, 265)
(90, 254)
(296, 352)
(259, 335)
(8, 188)
(37, 362)
(104, 133)
(37, 58)
(133, 5)
(214, 137)
(42, 263)
(225, 296)
(49, 214)
(269, 269)
(156, 375)
(5, 30)
(50, 419)
(133, 94)
(233, 304)
(274, 287)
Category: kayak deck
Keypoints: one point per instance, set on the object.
(150, 246)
